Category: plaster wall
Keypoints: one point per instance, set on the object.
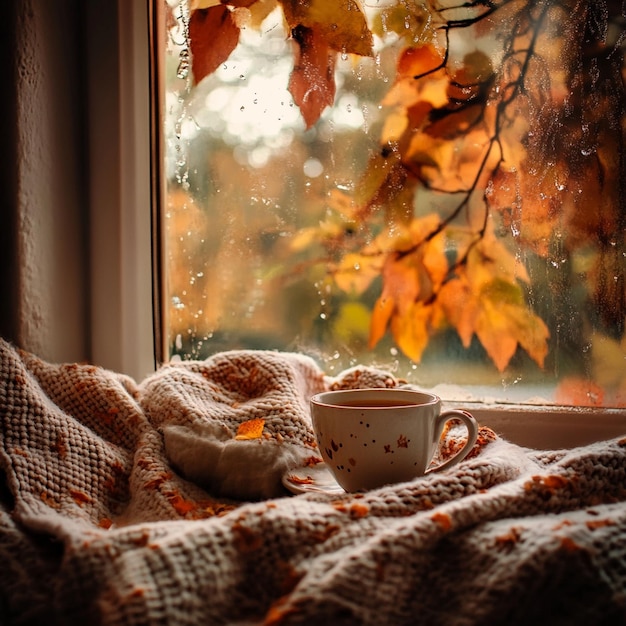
(50, 213)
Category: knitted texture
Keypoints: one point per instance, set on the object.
(99, 525)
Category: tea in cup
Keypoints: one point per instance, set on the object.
(373, 437)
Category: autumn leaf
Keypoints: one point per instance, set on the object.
(504, 321)
(460, 308)
(410, 20)
(381, 314)
(213, 35)
(251, 429)
(312, 81)
(430, 91)
(411, 329)
(341, 25)
(320, 30)
(356, 271)
(579, 391)
(259, 10)
(495, 333)
(411, 276)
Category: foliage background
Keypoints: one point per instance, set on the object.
(469, 229)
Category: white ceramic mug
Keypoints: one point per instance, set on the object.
(372, 437)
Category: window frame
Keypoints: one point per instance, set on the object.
(119, 118)
(534, 426)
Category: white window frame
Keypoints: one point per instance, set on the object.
(122, 241)
(122, 324)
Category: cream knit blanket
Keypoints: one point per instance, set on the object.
(125, 503)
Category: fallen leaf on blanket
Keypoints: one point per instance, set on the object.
(569, 545)
(312, 461)
(563, 524)
(548, 484)
(158, 480)
(60, 446)
(322, 535)
(509, 539)
(300, 480)
(599, 523)
(246, 540)
(180, 504)
(252, 429)
(443, 520)
(46, 498)
(287, 576)
(280, 610)
(356, 510)
(80, 497)
(141, 540)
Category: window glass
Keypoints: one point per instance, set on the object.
(432, 187)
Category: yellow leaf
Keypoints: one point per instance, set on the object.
(259, 10)
(395, 125)
(608, 360)
(352, 323)
(401, 281)
(410, 20)
(378, 173)
(490, 259)
(435, 260)
(531, 332)
(203, 4)
(356, 272)
(411, 330)
(504, 321)
(493, 329)
(252, 429)
(341, 24)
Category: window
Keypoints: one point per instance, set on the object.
(433, 188)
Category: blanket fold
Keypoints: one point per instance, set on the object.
(143, 503)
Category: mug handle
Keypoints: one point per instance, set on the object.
(472, 435)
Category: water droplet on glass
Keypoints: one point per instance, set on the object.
(177, 303)
(183, 67)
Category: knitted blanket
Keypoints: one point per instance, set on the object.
(162, 502)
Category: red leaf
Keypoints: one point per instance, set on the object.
(312, 82)
(213, 35)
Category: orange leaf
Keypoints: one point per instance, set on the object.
(213, 35)
(80, 497)
(460, 308)
(312, 82)
(443, 520)
(420, 60)
(252, 429)
(579, 391)
(381, 314)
